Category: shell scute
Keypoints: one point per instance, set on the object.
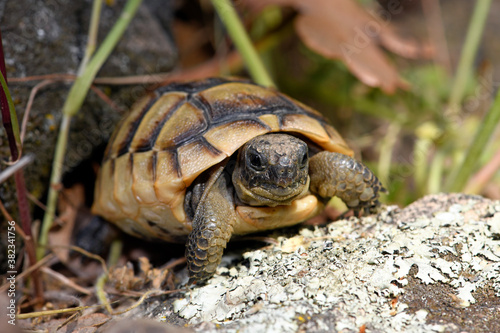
(187, 122)
(168, 185)
(231, 136)
(195, 157)
(230, 101)
(123, 181)
(159, 114)
(144, 173)
(127, 128)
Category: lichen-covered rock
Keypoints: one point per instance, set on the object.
(434, 266)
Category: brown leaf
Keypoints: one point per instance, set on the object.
(341, 29)
(70, 200)
(85, 324)
(123, 278)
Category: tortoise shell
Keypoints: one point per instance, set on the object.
(180, 131)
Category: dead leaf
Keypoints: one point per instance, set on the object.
(85, 324)
(124, 279)
(70, 200)
(342, 29)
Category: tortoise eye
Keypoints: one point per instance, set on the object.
(255, 161)
(303, 161)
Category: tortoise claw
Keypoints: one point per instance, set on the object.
(335, 174)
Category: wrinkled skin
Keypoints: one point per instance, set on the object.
(271, 170)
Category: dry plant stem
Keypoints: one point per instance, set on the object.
(212, 67)
(40, 263)
(24, 210)
(53, 312)
(5, 212)
(469, 50)
(458, 179)
(71, 106)
(9, 217)
(27, 110)
(10, 118)
(65, 280)
(152, 292)
(242, 41)
(47, 82)
(483, 177)
(15, 167)
(55, 77)
(29, 243)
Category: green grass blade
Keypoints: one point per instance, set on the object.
(469, 51)
(458, 179)
(242, 41)
(73, 104)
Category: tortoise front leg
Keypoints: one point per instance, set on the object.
(212, 228)
(334, 174)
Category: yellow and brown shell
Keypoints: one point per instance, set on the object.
(181, 130)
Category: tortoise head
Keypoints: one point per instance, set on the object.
(271, 170)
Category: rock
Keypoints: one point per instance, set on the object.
(425, 269)
(49, 37)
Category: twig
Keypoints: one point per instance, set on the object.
(9, 217)
(152, 292)
(54, 312)
(54, 76)
(31, 98)
(12, 128)
(15, 167)
(105, 98)
(65, 280)
(30, 269)
(86, 253)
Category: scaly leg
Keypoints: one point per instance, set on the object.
(334, 174)
(212, 228)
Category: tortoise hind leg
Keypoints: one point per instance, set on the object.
(334, 174)
(212, 228)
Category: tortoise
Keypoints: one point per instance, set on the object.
(219, 157)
